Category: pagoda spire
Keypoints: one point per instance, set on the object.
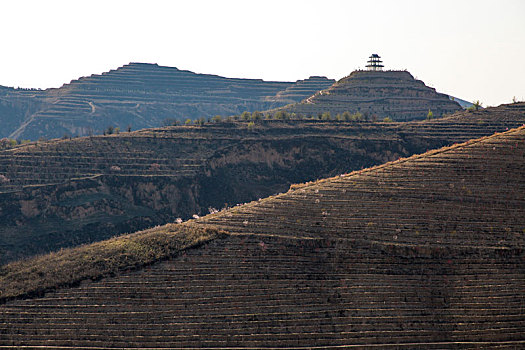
(375, 63)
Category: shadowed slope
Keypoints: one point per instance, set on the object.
(402, 256)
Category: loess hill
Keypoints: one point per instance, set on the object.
(68, 192)
(379, 94)
(139, 95)
(425, 252)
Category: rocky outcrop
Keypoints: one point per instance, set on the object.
(377, 95)
(140, 95)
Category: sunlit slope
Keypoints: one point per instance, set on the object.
(426, 252)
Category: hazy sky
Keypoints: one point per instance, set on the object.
(469, 49)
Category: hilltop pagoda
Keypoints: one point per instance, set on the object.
(375, 63)
(395, 94)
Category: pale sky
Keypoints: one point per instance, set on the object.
(474, 50)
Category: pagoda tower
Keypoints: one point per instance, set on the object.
(375, 63)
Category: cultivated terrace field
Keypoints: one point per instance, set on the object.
(426, 252)
(63, 193)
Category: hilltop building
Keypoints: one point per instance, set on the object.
(377, 94)
(375, 63)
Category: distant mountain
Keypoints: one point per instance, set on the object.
(378, 94)
(139, 95)
(462, 103)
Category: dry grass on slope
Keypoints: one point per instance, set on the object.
(68, 267)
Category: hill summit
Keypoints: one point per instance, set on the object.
(140, 95)
(378, 94)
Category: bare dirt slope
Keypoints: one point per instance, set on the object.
(426, 252)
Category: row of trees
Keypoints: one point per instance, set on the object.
(115, 130)
(6, 143)
(283, 115)
(278, 115)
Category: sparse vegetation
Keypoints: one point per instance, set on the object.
(200, 121)
(257, 115)
(475, 106)
(430, 115)
(280, 115)
(216, 119)
(377, 96)
(6, 143)
(246, 116)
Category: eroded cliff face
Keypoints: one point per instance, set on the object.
(40, 219)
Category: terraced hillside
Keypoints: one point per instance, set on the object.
(16, 106)
(141, 95)
(378, 94)
(68, 192)
(422, 253)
